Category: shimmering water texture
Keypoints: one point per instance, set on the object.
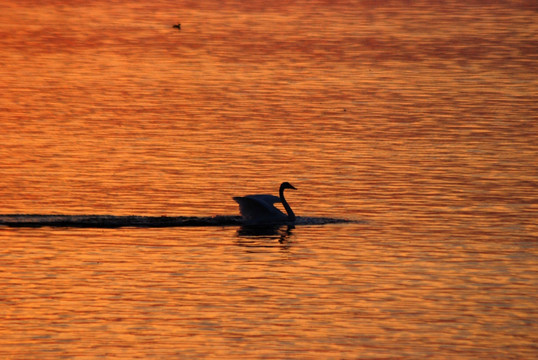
(414, 120)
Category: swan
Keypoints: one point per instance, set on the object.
(259, 209)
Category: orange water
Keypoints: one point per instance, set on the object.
(416, 118)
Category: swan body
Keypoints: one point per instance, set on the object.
(260, 209)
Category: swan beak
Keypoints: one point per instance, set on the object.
(292, 187)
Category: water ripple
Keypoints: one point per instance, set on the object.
(111, 221)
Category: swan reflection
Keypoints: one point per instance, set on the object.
(257, 236)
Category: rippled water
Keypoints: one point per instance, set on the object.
(416, 120)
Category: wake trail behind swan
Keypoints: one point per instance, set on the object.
(113, 221)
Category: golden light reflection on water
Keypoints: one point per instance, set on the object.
(161, 292)
(418, 119)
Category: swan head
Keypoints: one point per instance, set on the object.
(287, 185)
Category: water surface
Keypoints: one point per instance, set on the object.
(416, 120)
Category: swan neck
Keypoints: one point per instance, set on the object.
(291, 214)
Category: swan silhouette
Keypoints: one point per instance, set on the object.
(260, 209)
